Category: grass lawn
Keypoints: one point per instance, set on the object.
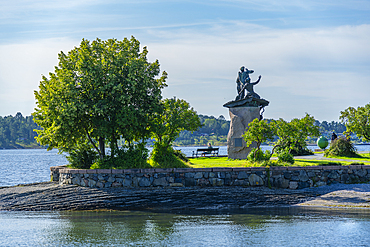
(210, 162)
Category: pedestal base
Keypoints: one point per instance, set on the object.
(240, 118)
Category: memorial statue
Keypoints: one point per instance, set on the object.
(244, 83)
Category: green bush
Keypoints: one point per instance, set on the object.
(166, 157)
(83, 157)
(127, 157)
(341, 147)
(259, 155)
(285, 156)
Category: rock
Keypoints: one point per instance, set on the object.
(303, 176)
(255, 180)
(144, 182)
(242, 175)
(240, 118)
(160, 182)
(293, 185)
(281, 183)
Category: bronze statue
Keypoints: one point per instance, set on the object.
(244, 83)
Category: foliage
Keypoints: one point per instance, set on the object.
(164, 157)
(341, 147)
(176, 117)
(83, 156)
(292, 135)
(259, 131)
(285, 156)
(129, 156)
(257, 155)
(100, 91)
(357, 121)
(17, 131)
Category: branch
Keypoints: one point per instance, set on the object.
(90, 139)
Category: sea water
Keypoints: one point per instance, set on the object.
(263, 227)
(248, 227)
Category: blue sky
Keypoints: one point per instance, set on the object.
(314, 56)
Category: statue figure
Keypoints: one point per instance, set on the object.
(244, 83)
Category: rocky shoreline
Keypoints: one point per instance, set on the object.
(52, 196)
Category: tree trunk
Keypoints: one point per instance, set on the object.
(102, 147)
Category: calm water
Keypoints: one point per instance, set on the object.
(263, 227)
(289, 227)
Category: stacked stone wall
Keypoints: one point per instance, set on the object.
(274, 177)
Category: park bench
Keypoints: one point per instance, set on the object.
(206, 151)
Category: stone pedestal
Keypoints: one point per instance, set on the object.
(240, 118)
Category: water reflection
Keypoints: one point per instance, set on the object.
(258, 227)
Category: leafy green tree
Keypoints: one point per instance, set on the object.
(357, 121)
(292, 135)
(259, 131)
(176, 117)
(100, 91)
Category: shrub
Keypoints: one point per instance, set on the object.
(165, 157)
(125, 158)
(259, 155)
(83, 157)
(341, 147)
(285, 156)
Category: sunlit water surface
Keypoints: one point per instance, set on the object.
(284, 227)
(263, 227)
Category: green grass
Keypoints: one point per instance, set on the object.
(210, 162)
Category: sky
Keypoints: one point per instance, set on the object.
(313, 56)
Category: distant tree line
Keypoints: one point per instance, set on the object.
(18, 132)
(215, 130)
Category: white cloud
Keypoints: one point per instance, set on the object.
(319, 71)
(21, 66)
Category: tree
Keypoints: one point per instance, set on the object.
(292, 135)
(259, 131)
(357, 121)
(100, 92)
(176, 117)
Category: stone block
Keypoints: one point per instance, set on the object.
(115, 185)
(293, 185)
(239, 169)
(201, 182)
(143, 182)
(242, 175)
(198, 175)
(147, 170)
(367, 167)
(164, 170)
(255, 180)
(118, 171)
(184, 170)
(221, 169)
(221, 174)
(160, 182)
(103, 171)
(190, 174)
(211, 175)
(176, 185)
(189, 182)
(216, 181)
(281, 183)
(303, 176)
(133, 171)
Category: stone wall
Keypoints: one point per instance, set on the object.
(277, 177)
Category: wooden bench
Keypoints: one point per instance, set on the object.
(206, 151)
